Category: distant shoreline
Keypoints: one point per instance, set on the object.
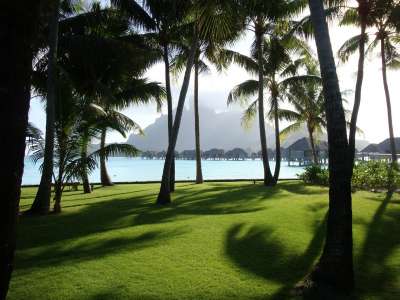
(177, 181)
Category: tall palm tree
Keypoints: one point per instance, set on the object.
(260, 17)
(335, 266)
(41, 204)
(162, 20)
(212, 21)
(200, 66)
(207, 52)
(381, 17)
(18, 40)
(59, 9)
(283, 56)
(359, 16)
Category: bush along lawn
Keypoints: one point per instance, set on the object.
(216, 241)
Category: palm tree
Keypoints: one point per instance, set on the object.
(381, 16)
(308, 108)
(200, 66)
(18, 40)
(335, 266)
(359, 17)
(162, 19)
(41, 204)
(260, 18)
(308, 105)
(58, 8)
(212, 21)
(207, 51)
(283, 56)
(116, 121)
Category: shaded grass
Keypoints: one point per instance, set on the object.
(216, 241)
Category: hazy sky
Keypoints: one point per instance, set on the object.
(214, 88)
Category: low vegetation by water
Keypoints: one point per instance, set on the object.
(215, 241)
(367, 175)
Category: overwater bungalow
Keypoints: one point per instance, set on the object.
(300, 152)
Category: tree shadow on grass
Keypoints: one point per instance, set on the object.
(213, 200)
(259, 252)
(114, 295)
(127, 211)
(300, 188)
(93, 249)
(382, 240)
(256, 250)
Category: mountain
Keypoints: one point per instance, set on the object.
(382, 147)
(217, 130)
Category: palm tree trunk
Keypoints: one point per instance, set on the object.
(104, 177)
(17, 33)
(388, 104)
(362, 6)
(199, 174)
(335, 266)
(278, 156)
(85, 178)
(170, 116)
(312, 142)
(268, 180)
(41, 204)
(164, 196)
(59, 181)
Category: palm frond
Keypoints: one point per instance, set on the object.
(116, 150)
(249, 114)
(242, 92)
(290, 129)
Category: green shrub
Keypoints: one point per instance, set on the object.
(375, 175)
(366, 175)
(315, 174)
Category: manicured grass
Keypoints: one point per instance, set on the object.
(216, 241)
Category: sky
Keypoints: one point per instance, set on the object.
(214, 88)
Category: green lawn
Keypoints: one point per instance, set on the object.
(216, 241)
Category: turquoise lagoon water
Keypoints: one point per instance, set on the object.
(137, 169)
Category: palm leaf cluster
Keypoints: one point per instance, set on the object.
(101, 60)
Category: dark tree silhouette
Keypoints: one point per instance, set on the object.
(17, 33)
(334, 269)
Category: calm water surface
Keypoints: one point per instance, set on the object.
(137, 169)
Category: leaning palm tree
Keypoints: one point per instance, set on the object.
(207, 52)
(335, 266)
(381, 17)
(200, 66)
(210, 20)
(163, 21)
